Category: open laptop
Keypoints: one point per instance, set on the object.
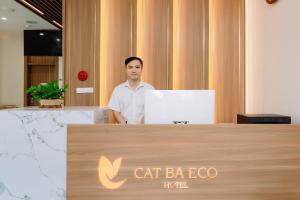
(179, 106)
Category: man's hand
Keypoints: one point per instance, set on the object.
(120, 119)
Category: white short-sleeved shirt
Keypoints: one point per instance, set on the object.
(129, 102)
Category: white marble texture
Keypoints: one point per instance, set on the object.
(33, 150)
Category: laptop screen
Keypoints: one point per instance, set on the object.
(179, 106)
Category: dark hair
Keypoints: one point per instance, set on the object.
(129, 59)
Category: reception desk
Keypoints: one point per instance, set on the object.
(33, 145)
(146, 162)
(143, 162)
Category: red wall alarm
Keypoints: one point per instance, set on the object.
(271, 1)
(82, 75)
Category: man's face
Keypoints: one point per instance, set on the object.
(134, 70)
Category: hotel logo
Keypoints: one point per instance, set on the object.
(171, 177)
(108, 171)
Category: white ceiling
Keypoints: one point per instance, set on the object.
(16, 20)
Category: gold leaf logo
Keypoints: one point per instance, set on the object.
(108, 171)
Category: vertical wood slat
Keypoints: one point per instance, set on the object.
(190, 44)
(154, 40)
(226, 57)
(81, 49)
(116, 44)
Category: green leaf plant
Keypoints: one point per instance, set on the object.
(47, 91)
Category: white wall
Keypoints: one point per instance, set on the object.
(273, 57)
(11, 68)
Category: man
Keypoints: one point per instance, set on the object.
(127, 100)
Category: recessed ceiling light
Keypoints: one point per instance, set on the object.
(3, 18)
(42, 34)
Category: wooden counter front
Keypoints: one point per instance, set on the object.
(188, 162)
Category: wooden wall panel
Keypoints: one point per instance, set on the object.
(145, 28)
(154, 38)
(226, 57)
(38, 69)
(190, 44)
(116, 44)
(82, 49)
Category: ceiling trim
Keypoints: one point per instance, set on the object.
(50, 10)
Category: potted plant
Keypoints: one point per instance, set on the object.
(49, 95)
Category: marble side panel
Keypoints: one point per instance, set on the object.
(33, 152)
